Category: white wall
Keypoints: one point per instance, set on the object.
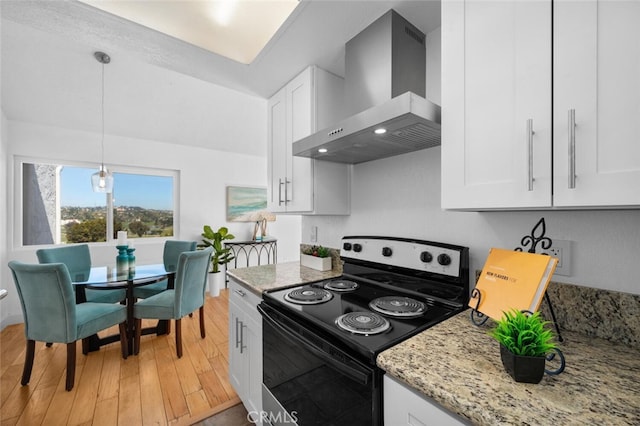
(204, 175)
(403, 194)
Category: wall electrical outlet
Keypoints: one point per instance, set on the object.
(561, 250)
(314, 234)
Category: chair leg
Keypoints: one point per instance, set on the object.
(123, 340)
(85, 346)
(71, 365)
(179, 338)
(136, 342)
(202, 334)
(28, 362)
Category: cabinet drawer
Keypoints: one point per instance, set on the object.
(244, 298)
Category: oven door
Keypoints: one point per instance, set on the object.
(308, 381)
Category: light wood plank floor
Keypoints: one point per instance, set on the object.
(152, 388)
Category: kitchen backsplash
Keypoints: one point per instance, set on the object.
(605, 314)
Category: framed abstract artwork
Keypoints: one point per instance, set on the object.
(247, 204)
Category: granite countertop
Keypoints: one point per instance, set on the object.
(458, 365)
(280, 275)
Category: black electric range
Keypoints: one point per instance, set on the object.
(320, 339)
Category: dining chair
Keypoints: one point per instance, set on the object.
(172, 250)
(187, 295)
(52, 315)
(77, 258)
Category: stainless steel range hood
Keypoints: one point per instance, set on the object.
(385, 82)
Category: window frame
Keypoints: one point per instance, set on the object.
(17, 219)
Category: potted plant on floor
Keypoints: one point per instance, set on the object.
(525, 344)
(220, 256)
(316, 257)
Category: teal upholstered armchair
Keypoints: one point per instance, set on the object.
(187, 295)
(172, 250)
(78, 260)
(52, 315)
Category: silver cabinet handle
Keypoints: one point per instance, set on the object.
(238, 338)
(242, 345)
(530, 134)
(280, 183)
(572, 148)
(239, 293)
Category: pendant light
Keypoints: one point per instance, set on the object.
(102, 180)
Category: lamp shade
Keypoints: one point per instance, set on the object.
(102, 180)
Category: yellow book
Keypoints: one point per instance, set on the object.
(512, 280)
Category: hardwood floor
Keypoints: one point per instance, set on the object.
(152, 388)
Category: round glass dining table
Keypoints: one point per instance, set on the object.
(111, 278)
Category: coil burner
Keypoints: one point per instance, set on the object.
(308, 296)
(341, 285)
(365, 323)
(398, 306)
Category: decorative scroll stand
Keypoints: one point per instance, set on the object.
(536, 237)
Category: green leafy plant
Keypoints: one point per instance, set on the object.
(524, 334)
(317, 251)
(220, 255)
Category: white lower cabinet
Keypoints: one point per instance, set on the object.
(404, 406)
(245, 348)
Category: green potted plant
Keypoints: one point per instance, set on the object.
(220, 256)
(525, 341)
(316, 257)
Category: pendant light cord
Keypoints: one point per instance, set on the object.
(102, 121)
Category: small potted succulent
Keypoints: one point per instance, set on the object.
(525, 344)
(316, 257)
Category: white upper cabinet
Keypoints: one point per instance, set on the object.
(309, 102)
(501, 147)
(596, 75)
(496, 98)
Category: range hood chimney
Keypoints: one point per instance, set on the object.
(385, 81)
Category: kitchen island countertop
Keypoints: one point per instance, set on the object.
(280, 275)
(457, 365)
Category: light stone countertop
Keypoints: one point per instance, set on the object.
(458, 365)
(280, 275)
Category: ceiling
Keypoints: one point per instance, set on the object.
(47, 49)
(238, 30)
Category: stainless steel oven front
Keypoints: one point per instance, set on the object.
(308, 380)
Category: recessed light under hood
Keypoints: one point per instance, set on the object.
(385, 82)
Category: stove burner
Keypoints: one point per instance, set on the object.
(365, 323)
(308, 296)
(341, 285)
(397, 306)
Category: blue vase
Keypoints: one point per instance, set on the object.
(122, 260)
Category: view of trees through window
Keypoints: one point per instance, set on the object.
(59, 205)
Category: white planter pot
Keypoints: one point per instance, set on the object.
(216, 282)
(317, 263)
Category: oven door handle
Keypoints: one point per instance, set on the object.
(361, 377)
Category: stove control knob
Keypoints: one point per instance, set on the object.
(386, 251)
(357, 248)
(444, 259)
(346, 246)
(426, 257)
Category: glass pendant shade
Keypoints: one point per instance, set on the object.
(102, 180)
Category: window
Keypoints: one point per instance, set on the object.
(59, 206)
